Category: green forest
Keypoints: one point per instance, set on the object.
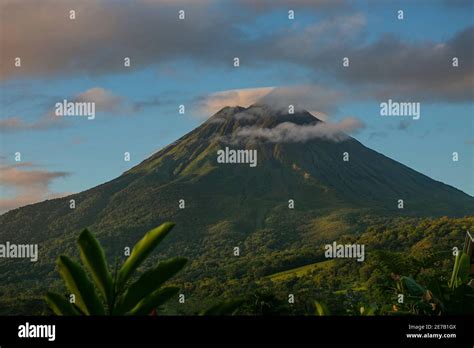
(408, 270)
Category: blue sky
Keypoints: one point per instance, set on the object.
(190, 62)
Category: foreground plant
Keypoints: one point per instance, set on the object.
(117, 296)
(455, 297)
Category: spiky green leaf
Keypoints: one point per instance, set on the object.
(141, 250)
(454, 274)
(153, 301)
(77, 282)
(59, 305)
(464, 266)
(149, 282)
(93, 257)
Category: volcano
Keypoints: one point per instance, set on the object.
(270, 207)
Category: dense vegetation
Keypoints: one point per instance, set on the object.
(263, 275)
(410, 247)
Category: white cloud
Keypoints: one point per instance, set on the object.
(288, 132)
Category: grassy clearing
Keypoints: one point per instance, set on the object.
(300, 271)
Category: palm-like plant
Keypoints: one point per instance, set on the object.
(116, 295)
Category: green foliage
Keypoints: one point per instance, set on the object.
(148, 282)
(153, 300)
(413, 288)
(460, 273)
(279, 259)
(264, 302)
(394, 262)
(93, 258)
(60, 305)
(321, 309)
(140, 298)
(228, 307)
(79, 284)
(141, 251)
(454, 297)
(368, 311)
